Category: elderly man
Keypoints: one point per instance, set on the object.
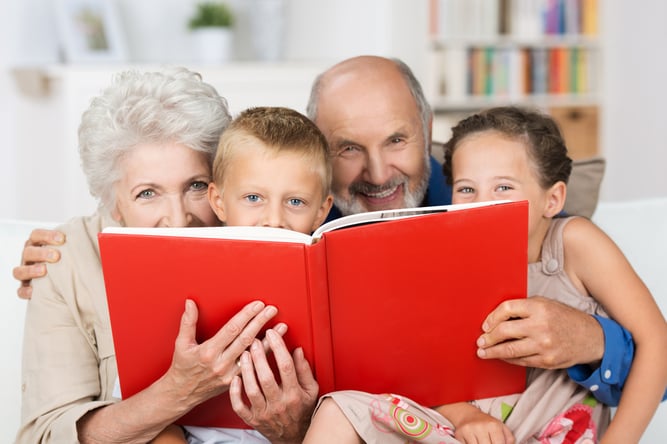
(378, 124)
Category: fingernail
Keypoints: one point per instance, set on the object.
(40, 268)
(52, 256)
(271, 310)
(480, 341)
(481, 352)
(281, 328)
(257, 306)
(256, 344)
(485, 326)
(59, 237)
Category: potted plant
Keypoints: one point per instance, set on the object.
(211, 31)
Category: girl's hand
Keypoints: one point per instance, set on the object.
(480, 428)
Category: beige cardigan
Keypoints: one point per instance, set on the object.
(69, 366)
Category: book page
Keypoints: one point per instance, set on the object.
(378, 216)
(246, 233)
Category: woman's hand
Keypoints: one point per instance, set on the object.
(197, 372)
(201, 371)
(280, 411)
(34, 256)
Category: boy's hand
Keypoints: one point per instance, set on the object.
(35, 254)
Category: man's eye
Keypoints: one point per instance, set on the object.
(145, 194)
(199, 185)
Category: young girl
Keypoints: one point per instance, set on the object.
(514, 154)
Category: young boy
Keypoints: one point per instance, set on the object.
(272, 169)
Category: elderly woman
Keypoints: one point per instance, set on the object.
(146, 147)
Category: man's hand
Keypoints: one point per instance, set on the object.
(280, 411)
(34, 255)
(540, 332)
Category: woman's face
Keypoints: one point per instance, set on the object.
(163, 185)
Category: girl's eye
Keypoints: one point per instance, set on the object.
(199, 186)
(145, 194)
(466, 190)
(504, 188)
(296, 202)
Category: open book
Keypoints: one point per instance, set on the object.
(380, 302)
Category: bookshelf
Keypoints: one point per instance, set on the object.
(541, 53)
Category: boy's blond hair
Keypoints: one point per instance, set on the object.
(279, 129)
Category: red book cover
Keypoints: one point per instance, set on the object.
(394, 306)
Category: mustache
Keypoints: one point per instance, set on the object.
(369, 188)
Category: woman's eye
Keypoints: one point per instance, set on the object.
(145, 194)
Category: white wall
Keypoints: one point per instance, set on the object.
(633, 124)
(31, 166)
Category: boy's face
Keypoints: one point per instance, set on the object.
(265, 188)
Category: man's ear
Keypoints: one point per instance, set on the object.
(429, 142)
(215, 201)
(555, 199)
(323, 212)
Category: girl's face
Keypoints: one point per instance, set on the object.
(490, 166)
(163, 185)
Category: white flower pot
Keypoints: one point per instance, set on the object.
(212, 45)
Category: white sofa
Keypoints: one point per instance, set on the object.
(639, 227)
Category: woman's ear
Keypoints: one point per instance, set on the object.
(323, 212)
(115, 214)
(215, 201)
(555, 199)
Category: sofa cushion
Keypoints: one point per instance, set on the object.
(583, 188)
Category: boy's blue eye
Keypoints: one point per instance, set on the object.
(252, 197)
(296, 202)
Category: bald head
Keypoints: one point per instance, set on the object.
(367, 76)
(377, 123)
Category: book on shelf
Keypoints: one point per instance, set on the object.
(520, 19)
(381, 302)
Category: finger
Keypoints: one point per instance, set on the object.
(250, 385)
(25, 273)
(24, 292)
(187, 331)
(281, 329)
(239, 332)
(41, 236)
(519, 351)
(265, 376)
(507, 310)
(304, 373)
(36, 254)
(236, 398)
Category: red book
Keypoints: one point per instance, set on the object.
(393, 303)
